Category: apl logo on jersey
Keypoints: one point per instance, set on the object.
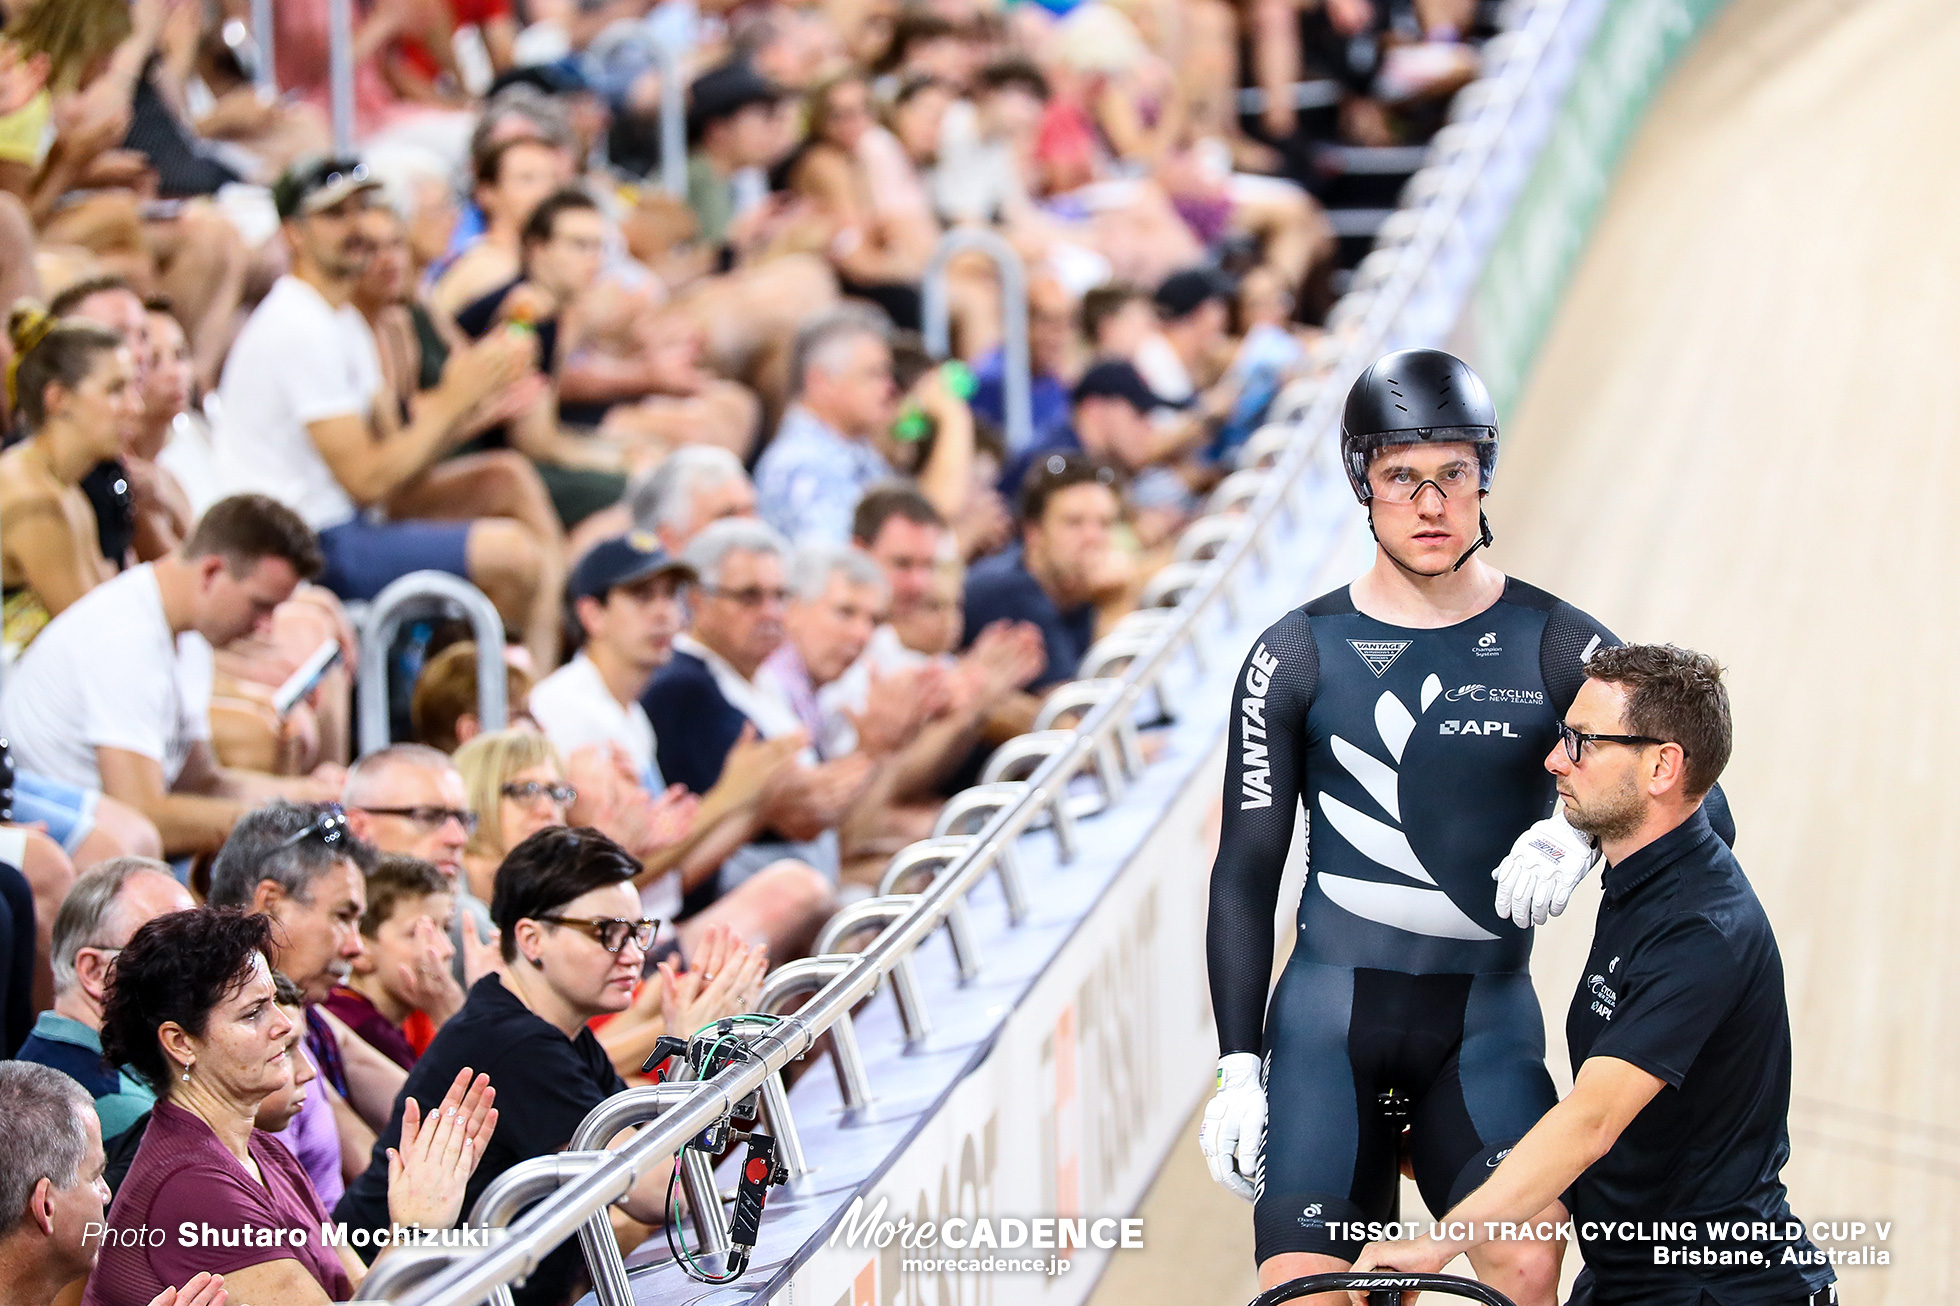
(1379, 654)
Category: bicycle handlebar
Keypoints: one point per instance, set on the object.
(1384, 1289)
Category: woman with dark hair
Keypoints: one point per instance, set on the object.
(573, 945)
(192, 1008)
(73, 385)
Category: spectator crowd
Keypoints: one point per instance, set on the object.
(773, 579)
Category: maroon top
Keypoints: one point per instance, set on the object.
(202, 1210)
(359, 1014)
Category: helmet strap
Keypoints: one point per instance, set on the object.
(1483, 540)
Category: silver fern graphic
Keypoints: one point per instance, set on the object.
(1419, 907)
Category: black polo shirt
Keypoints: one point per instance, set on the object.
(1685, 981)
(546, 1085)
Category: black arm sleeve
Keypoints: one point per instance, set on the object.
(1571, 638)
(1265, 776)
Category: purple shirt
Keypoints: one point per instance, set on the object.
(313, 1138)
(183, 1175)
(354, 1010)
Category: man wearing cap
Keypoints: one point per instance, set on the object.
(731, 125)
(307, 421)
(1194, 315)
(627, 600)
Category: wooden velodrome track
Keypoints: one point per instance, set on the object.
(1743, 435)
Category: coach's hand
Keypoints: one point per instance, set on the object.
(1545, 865)
(1234, 1128)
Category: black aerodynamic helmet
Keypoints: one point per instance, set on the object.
(1416, 396)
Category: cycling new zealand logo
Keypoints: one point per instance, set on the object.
(1379, 654)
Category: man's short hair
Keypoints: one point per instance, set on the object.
(88, 915)
(663, 495)
(821, 341)
(41, 1134)
(1677, 695)
(247, 528)
(262, 847)
(367, 785)
(545, 120)
(889, 499)
(74, 296)
(445, 693)
(489, 165)
(707, 551)
(1014, 71)
(1049, 476)
(397, 879)
(548, 870)
(815, 564)
(1104, 302)
(541, 226)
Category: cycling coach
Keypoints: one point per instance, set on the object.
(1679, 1033)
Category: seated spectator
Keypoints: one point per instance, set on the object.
(689, 489)
(708, 697)
(731, 127)
(574, 944)
(284, 1113)
(627, 599)
(1110, 420)
(403, 965)
(114, 695)
(913, 546)
(513, 176)
(443, 709)
(1053, 364)
(302, 867)
(516, 785)
(409, 799)
(1053, 578)
(192, 1008)
(52, 1197)
(1190, 347)
(106, 907)
(823, 459)
(323, 440)
(73, 386)
(562, 246)
(1116, 318)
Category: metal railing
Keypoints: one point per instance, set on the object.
(423, 593)
(935, 310)
(446, 1277)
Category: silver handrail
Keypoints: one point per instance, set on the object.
(966, 812)
(463, 1283)
(391, 607)
(1017, 393)
(635, 1106)
(673, 121)
(265, 76)
(340, 73)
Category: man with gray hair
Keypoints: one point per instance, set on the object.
(691, 487)
(104, 909)
(825, 455)
(709, 697)
(52, 1194)
(300, 864)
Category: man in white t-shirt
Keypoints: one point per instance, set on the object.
(628, 598)
(115, 694)
(308, 419)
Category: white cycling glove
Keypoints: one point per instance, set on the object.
(1544, 866)
(1234, 1127)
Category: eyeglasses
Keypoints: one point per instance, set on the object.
(754, 596)
(531, 790)
(330, 827)
(429, 817)
(610, 931)
(1578, 739)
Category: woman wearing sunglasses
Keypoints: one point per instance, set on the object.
(574, 944)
